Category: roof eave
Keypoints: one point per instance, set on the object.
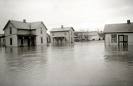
(116, 32)
(44, 25)
(6, 25)
(9, 21)
(60, 31)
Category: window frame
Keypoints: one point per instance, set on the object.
(114, 38)
(41, 31)
(41, 40)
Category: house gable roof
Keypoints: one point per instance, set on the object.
(26, 26)
(118, 28)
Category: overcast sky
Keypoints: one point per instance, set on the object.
(81, 14)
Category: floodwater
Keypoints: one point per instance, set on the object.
(81, 64)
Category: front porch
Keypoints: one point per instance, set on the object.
(59, 40)
(26, 40)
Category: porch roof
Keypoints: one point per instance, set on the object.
(26, 35)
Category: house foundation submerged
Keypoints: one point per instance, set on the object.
(26, 40)
(63, 35)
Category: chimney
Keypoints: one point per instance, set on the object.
(24, 20)
(61, 26)
(128, 22)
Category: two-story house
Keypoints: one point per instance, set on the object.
(22, 33)
(62, 35)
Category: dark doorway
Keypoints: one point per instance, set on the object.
(22, 41)
(33, 40)
(123, 40)
(59, 40)
(26, 40)
(29, 41)
(10, 41)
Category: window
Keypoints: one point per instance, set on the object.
(10, 41)
(114, 38)
(10, 30)
(41, 30)
(41, 39)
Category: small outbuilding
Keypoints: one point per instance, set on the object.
(119, 34)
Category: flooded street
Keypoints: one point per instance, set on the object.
(81, 64)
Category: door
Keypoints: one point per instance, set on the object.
(122, 40)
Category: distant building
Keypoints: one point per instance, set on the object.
(62, 35)
(119, 34)
(81, 36)
(22, 33)
(101, 35)
(95, 35)
(87, 35)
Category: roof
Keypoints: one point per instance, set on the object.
(62, 29)
(24, 25)
(35, 25)
(121, 28)
(86, 32)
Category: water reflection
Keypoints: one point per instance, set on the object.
(116, 53)
(25, 58)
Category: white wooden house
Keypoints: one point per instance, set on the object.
(119, 34)
(62, 35)
(22, 33)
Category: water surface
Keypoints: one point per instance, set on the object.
(81, 64)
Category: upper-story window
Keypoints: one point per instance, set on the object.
(10, 41)
(10, 30)
(41, 30)
(41, 39)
